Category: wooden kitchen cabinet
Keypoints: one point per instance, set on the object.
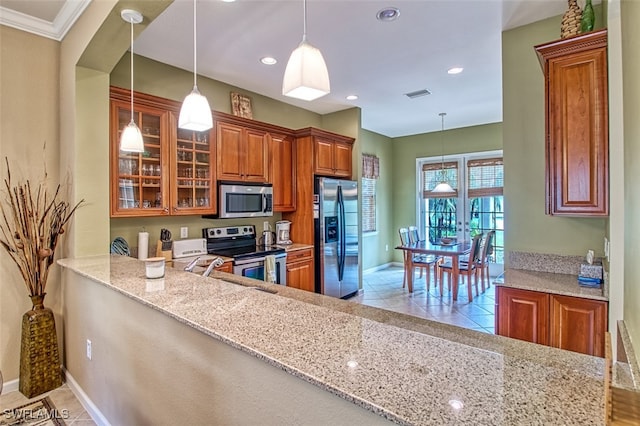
(225, 267)
(332, 157)
(577, 126)
(300, 271)
(282, 172)
(523, 315)
(175, 175)
(578, 325)
(565, 322)
(243, 153)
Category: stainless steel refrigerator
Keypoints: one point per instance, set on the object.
(336, 237)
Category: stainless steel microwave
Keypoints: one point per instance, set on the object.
(245, 200)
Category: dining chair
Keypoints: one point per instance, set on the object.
(423, 262)
(466, 267)
(483, 260)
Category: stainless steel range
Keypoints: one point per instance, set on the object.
(249, 258)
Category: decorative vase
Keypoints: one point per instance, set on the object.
(571, 20)
(588, 18)
(39, 358)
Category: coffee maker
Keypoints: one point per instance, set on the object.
(282, 232)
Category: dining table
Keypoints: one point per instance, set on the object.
(453, 250)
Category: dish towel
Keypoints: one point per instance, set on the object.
(270, 269)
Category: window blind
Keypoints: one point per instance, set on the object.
(368, 205)
(485, 177)
(432, 175)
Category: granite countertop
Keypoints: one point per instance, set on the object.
(548, 282)
(406, 369)
(295, 246)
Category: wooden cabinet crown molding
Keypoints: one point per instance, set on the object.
(575, 44)
(315, 132)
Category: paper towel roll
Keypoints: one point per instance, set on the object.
(143, 245)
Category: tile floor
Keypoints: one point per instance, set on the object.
(65, 401)
(383, 289)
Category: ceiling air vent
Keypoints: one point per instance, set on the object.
(417, 93)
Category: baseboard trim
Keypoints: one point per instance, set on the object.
(11, 386)
(86, 402)
(381, 267)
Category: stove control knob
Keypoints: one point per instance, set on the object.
(218, 231)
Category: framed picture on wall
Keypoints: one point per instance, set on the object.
(241, 105)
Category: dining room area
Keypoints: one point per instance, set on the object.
(423, 286)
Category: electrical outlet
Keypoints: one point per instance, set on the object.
(88, 349)
(184, 232)
(386, 247)
(606, 248)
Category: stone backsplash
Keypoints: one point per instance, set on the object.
(542, 262)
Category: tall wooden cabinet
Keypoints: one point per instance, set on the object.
(314, 147)
(565, 322)
(282, 170)
(577, 126)
(174, 175)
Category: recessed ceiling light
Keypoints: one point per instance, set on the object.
(388, 14)
(228, 1)
(455, 70)
(268, 60)
(352, 97)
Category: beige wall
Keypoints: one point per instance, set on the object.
(29, 118)
(527, 227)
(377, 247)
(407, 149)
(630, 13)
(147, 368)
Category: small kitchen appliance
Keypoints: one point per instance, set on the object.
(282, 232)
(268, 236)
(243, 200)
(191, 252)
(249, 258)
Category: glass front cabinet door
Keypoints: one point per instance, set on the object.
(139, 180)
(174, 175)
(192, 172)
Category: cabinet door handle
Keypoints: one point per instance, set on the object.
(165, 210)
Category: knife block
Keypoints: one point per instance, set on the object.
(164, 253)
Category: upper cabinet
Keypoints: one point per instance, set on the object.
(176, 172)
(332, 157)
(577, 126)
(243, 153)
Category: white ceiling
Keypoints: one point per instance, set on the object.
(378, 61)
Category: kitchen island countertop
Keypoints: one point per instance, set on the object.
(548, 282)
(403, 368)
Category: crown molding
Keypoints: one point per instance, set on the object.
(55, 30)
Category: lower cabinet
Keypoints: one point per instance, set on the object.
(300, 272)
(225, 267)
(523, 315)
(564, 322)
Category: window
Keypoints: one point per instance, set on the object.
(370, 173)
(368, 205)
(476, 205)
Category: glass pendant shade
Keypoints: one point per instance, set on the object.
(306, 76)
(131, 138)
(195, 113)
(442, 187)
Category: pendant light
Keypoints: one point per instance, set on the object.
(306, 76)
(443, 186)
(131, 138)
(195, 113)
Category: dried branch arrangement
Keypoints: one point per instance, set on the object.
(30, 228)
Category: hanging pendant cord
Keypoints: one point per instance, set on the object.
(195, 49)
(131, 21)
(442, 114)
(304, 20)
